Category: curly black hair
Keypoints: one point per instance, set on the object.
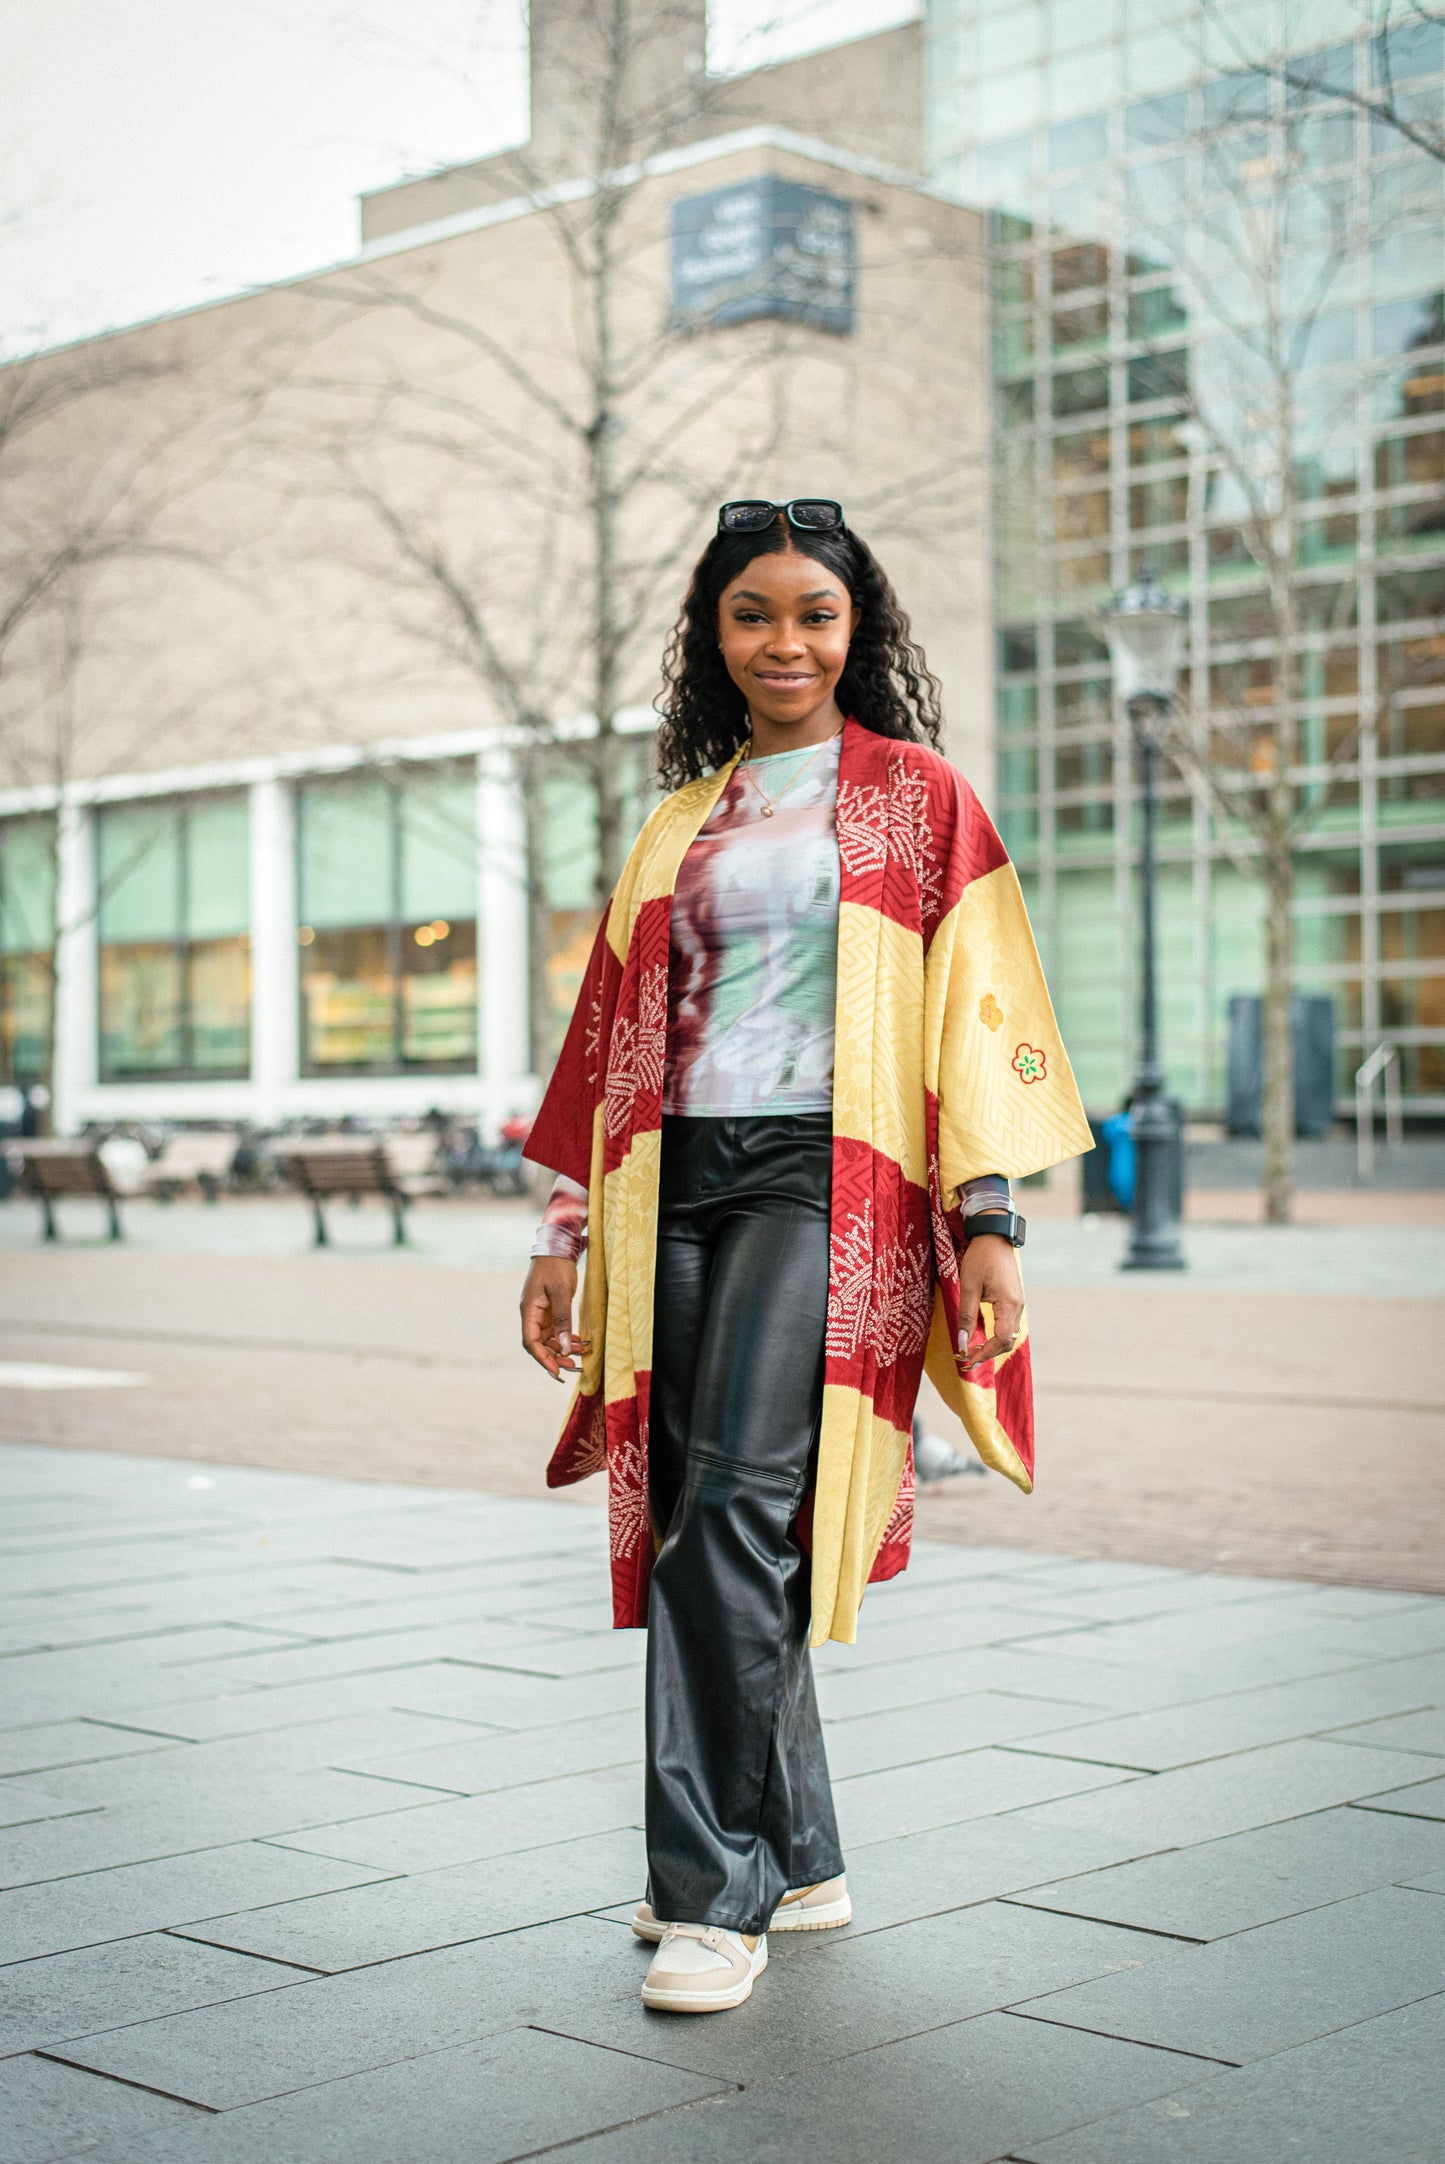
(885, 684)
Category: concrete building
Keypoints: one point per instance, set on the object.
(264, 821)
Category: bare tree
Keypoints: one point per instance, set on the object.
(1261, 257)
(609, 437)
(112, 454)
(1396, 28)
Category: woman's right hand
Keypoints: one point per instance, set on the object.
(547, 1298)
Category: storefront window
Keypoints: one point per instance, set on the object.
(27, 943)
(173, 882)
(569, 873)
(388, 931)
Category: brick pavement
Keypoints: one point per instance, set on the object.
(319, 1808)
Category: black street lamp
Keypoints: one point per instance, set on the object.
(1146, 637)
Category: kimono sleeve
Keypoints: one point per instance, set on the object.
(561, 1136)
(1007, 1100)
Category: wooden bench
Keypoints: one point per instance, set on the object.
(195, 1159)
(324, 1170)
(50, 1170)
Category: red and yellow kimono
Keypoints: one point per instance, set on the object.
(947, 1064)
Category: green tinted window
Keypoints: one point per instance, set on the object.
(439, 847)
(347, 870)
(139, 871)
(217, 868)
(27, 886)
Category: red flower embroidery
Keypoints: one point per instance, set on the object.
(1028, 1063)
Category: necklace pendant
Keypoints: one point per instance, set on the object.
(767, 811)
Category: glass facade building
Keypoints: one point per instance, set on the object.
(1217, 294)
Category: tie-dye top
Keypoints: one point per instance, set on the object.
(752, 967)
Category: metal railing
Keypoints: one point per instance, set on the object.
(1383, 1066)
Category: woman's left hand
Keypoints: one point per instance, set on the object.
(988, 1269)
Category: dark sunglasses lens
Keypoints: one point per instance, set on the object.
(747, 517)
(817, 515)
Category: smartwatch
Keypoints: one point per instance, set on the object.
(1005, 1223)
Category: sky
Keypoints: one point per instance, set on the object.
(159, 153)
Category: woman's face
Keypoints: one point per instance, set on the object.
(784, 625)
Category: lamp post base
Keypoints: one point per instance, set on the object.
(1158, 1179)
(1153, 1251)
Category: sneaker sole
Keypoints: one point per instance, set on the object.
(698, 2002)
(830, 1918)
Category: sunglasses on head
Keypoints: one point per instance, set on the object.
(807, 514)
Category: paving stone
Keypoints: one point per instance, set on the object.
(504, 1698)
(115, 1678)
(1209, 1629)
(476, 2104)
(372, 1652)
(486, 1760)
(1425, 1799)
(908, 1735)
(923, 1874)
(39, 1749)
(170, 1767)
(233, 1711)
(49, 2111)
(437, 1908)
(1216, 1727)
(845, 1994)
(954, 1631)
(1423, 1731)
(23, 1803)
(846, 1693)
(1373, 2091)
(1180, 1594)
(1241, 1998)
(557, 1654)
(1219, 1887)
(447, 1539)
(946, 1791)
(277, 1804)
(101, 1905)
(1391, 1637)
(1231, 1795)
(240, 2052)
(1200, 1672)
(960, 2093)
(1081, 1574)
(65, 1996)
(921, 1598)
(468, 1829)
(1363, 1602)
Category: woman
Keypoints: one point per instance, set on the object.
(812, 1046)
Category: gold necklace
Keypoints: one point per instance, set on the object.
(770, 803)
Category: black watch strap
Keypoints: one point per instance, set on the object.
(1006, 1224)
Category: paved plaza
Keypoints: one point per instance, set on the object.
(1276, 1411)
(321, 1808)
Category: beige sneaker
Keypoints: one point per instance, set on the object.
(806, 1908)
(702, 1969)
(814, 1908)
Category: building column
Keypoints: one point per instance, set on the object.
(275, 987)
(503, 1061)
(77, 1018)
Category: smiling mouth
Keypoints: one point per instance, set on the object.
(784, 678)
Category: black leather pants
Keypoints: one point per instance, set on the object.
(738, 1802)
